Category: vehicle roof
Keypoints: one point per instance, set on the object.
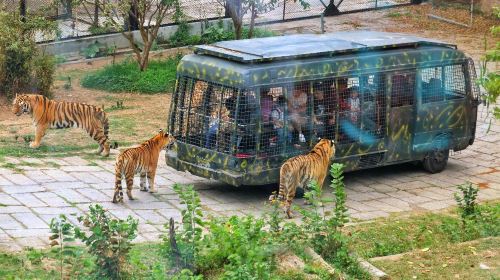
(222, 70)
(312, 45)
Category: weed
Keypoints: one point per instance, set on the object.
(67, 85)
(109, 241)
(466, 202)
(62, 233)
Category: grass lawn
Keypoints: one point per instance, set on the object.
(398, 235)
(476, 259)
(125, 76)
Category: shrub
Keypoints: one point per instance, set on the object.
(109, 241)
(125, 77)
(22, 66)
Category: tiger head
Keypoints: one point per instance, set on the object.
(164, 139)
(326, 145)
(21, 105)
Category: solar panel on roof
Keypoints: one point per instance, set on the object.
(309, 45)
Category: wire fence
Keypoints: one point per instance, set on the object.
(81, 20)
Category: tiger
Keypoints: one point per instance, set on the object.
(48, 113)
(300, 170)
(142, 159)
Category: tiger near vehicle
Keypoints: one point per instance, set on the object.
(300, 170)
(242, 108)
(142, 160)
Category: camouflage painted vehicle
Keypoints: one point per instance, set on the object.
(241, 108)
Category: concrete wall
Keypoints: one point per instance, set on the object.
(73, 47)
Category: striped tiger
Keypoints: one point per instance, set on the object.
(300, 170)
(142, 159)
(48, 113)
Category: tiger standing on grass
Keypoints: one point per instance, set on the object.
(48, 113)
(300, 170)
(142, 159)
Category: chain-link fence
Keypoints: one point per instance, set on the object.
(86, 18)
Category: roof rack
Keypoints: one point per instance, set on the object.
(311, 45)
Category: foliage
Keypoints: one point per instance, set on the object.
(22, 65)
(148, 15)
(324, 229)
(63, 232)
(192, 225)
(214, 33)
(490, 81)
(109, 240)
(237, 9)
(467, 205)
(125, 77)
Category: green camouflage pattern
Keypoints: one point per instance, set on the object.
(410, 133)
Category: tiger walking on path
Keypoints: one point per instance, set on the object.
(142, 159)
(300, 170)
(48, 113)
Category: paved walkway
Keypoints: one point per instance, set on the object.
(48, 187)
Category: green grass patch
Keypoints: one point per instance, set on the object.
(398, 235)
(20, 150)
(123, 126)
(125, 76)
(451, 261)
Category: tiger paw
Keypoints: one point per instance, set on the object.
(153, 190)
(34, 145)
(144, 189)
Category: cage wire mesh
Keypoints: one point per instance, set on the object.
(463, 17)
(81, 20)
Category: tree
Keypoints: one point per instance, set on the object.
(237, 9)
(490, 81)
(144, 15)
(24, 66)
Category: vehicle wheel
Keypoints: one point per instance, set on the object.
(436, 161)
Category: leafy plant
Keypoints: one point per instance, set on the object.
(63, 233)
(192, 223)
(466, 202)
(109, 240)
(490, 80)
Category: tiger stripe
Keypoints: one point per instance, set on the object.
(142, 160)
(298, 171)
(48, 113)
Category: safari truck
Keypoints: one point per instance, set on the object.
(241, 108)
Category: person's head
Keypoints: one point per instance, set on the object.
(319, 90)
(281, 100)
(300, 88)
(342, 84)
(354, 92)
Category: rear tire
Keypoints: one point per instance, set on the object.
(436, 160)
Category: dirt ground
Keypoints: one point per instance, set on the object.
(145, 114)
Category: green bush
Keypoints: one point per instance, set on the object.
(212, 34)
(109, 241)
(126, 77)
(22, 66)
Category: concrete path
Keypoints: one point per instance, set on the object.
(45, 188)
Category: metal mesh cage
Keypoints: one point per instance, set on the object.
(472, 76)
(443, 83)
(402, 89)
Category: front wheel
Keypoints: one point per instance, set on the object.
(436, 160)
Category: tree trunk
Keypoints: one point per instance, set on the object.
(252, 21)
(238, 29)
